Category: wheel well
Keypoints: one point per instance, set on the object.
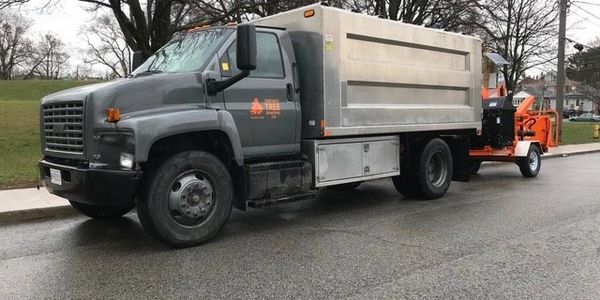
(214, 142)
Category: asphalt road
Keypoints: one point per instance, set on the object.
(498, 236)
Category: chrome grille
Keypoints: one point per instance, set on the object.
(63, 126)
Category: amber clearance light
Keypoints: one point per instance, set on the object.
(113, 115)
(309, 13)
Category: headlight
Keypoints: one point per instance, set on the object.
(113, 150)
(127, 160)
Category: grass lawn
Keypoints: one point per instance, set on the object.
(578, 133)
(19, 128)
(19, 143)
(34, 90)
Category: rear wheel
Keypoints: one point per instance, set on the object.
(187, 199)
(432, 172)
(530, 165)
(101, 212)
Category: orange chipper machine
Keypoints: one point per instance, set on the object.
(520, 135)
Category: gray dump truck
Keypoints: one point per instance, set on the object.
(265, 112)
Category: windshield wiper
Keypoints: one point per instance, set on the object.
(148, 72)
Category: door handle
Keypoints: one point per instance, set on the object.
(290, 92)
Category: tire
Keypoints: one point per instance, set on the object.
(530, 166)
(101, 212)
(187, 199)
(432, 172)
(406, 184)
(346, 186)
(474, 166)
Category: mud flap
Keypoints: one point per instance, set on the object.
(460, 158)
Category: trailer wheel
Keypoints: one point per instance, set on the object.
(432, 172)
(530, 165)
(101, 212)
(187, 199)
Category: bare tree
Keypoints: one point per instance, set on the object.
(584, 66)
(447, 14)
(7, 3)
(14, 46)
(523, 31)
(107, 46)
(146, 26)
(49, 59)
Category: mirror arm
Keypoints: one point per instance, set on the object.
(213, 86)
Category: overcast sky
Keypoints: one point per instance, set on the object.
(69, 16)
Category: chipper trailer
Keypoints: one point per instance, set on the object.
(518, 135)
(265, 112)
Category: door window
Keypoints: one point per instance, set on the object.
(269, 62)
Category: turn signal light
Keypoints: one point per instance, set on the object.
(113, 115)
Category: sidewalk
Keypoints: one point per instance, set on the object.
(28, 204)
(567, 150)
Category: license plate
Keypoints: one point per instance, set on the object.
(55, 177)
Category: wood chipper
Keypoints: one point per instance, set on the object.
(520, 135)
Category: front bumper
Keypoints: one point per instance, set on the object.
(92, 186)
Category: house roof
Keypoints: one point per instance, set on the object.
(536, 91)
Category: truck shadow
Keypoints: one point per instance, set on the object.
(127, 234)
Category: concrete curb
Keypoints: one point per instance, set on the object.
(570, 153)
(24, 215)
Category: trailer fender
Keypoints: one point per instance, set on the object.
(523, 147)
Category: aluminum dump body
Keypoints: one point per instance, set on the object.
(363, 75)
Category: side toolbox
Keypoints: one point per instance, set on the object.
(338, 161)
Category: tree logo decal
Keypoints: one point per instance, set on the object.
(256, 109)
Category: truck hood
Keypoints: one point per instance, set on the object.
(136, 93)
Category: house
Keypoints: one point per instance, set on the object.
(577, 97)
(577, 101)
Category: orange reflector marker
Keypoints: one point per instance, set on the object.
(309, 13)
(113, 115)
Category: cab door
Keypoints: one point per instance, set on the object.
(263, 104)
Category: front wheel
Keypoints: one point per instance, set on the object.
(101, 212)
(530, 165)
(187, 199)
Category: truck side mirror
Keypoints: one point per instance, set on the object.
(246, 59)
(246, 47)
(137, 60)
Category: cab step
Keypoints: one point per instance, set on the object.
(276, 182)
(257, 203)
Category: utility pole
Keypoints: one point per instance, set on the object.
(560, 72)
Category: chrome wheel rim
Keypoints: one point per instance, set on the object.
(437, 170)
(534, 161)
(191, 198)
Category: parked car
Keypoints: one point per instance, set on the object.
(567, 114)
(587, 117)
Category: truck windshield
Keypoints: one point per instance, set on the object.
(186, 52)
